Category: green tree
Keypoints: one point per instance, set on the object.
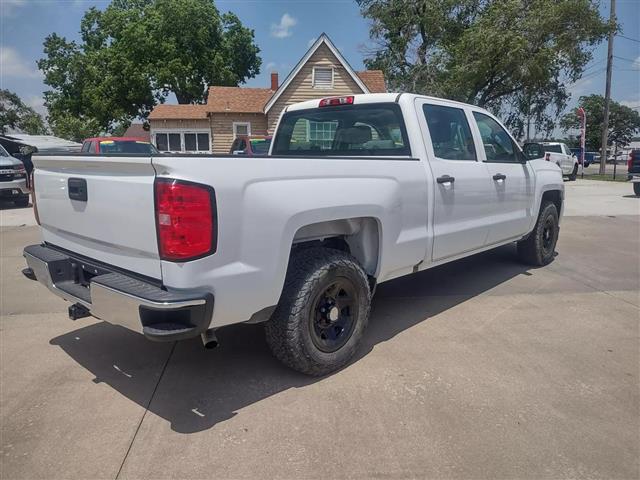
(511, 56)
(624, 122)
(134, 53)
(15, 115)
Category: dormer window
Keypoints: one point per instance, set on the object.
(322, 77)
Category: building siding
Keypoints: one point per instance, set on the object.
(301, 87)
(222, 128)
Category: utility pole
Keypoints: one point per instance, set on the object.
(607, 94)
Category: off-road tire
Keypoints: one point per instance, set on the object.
(22, 201)
(574, 174)
(636, 188)
(289, 331)
(536, 249)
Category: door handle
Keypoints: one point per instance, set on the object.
(445, 179)
(499, 176)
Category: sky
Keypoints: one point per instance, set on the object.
(284, 29)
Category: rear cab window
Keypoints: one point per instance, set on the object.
(375, 129)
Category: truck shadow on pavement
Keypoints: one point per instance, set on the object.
(199, 388)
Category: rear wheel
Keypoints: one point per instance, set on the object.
(574, 174)
(636, 188)
(322, 313)
(539, 247)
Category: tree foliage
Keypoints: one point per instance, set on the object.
(134, 53)
(514, 56)
(15, 115)
(624, 122)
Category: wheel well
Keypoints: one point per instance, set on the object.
(553, 196)
(356, 236)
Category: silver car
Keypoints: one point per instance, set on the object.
(13, 179)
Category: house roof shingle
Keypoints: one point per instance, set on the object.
(137, 130)
(237, 99)
(374, 80)
(178, 112)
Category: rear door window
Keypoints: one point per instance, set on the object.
(348, 130)
(450, 133)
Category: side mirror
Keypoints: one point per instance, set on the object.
(532, 151)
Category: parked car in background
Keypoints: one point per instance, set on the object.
(13, 179)
(106, 145)
(633, 169)
(589, 157)
(176, 246)
(251, 145)
(558, 153)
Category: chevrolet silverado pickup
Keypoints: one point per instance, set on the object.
(558, 153)
(177, 246)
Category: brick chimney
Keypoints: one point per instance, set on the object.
(274, 81)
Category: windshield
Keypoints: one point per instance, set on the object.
(552, 148)
(260, 146)
(352, 130)
(126, 146)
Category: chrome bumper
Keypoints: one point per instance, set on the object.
(11, 185)
(158, 313)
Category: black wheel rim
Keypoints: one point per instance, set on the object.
(333, 315)
(548, 235)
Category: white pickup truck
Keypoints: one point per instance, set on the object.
(177, 246)
(558, 153)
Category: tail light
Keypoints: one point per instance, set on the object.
(185, 219)
(547, 157)
(335, 101)
(630, 161)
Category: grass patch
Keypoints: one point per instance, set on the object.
(620, 177)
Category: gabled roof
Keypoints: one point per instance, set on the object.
(237, 99)
(178, 112)
(137, 130)
(323, 39)
(374, 80)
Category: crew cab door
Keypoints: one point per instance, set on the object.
(461, 181)
(512, 180)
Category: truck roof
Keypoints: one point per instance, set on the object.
(365, 98)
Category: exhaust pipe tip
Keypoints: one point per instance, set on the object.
(209, 339)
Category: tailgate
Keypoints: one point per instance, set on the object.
(115, 224)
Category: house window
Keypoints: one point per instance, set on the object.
(322, 134)
(322, 77)
(186, 141)
(196, 142)
(241, 128)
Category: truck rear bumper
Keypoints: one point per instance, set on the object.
(160, 314)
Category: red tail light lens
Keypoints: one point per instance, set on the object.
(547, 157)
(630, 161)
(185, 220)
(335, 101)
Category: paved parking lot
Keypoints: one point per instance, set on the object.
(478, 369)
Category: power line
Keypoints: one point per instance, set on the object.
(624, 58)
(628, 38)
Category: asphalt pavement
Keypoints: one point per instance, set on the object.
(483, 368)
